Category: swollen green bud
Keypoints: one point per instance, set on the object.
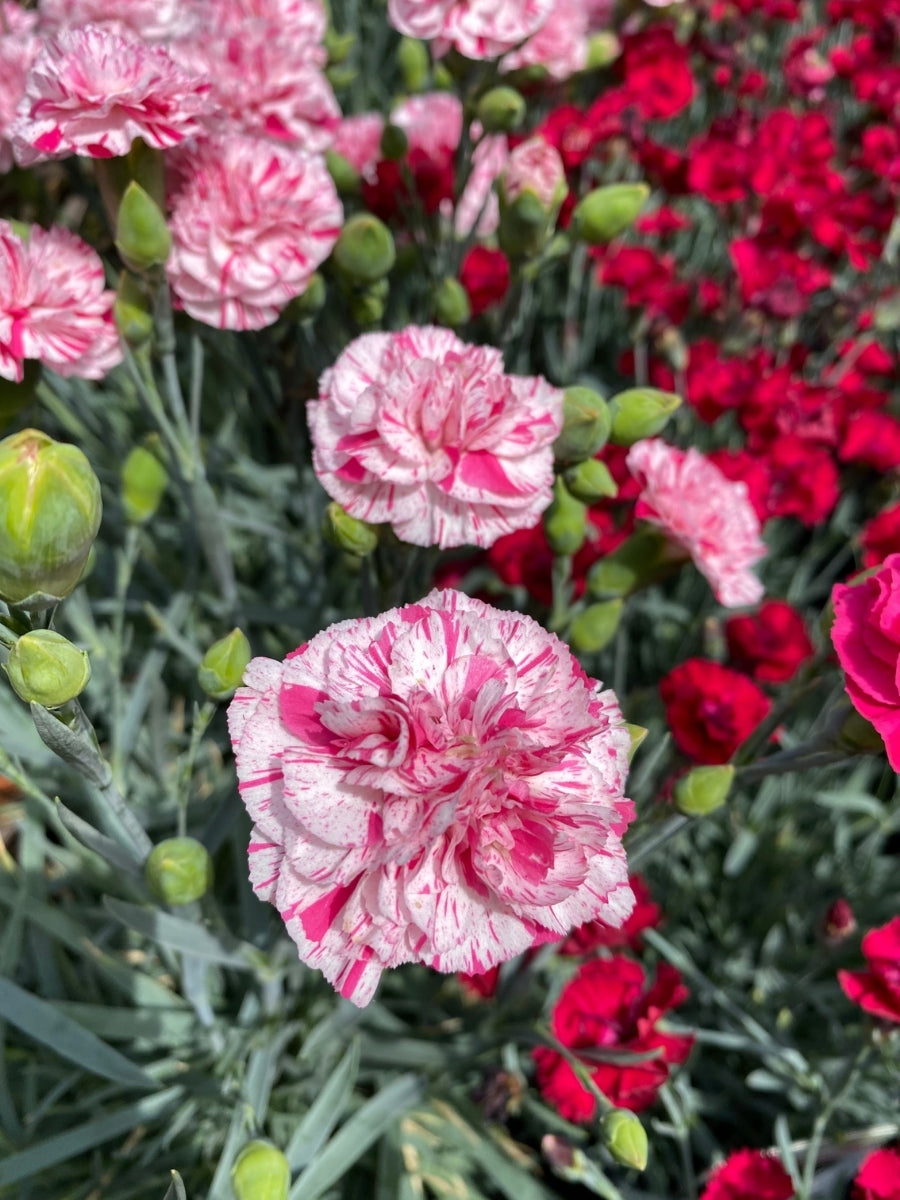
(132, 311)
(50, 512)
(394, 143)
(451, 303)
(603, 48)
(344, 175)
(413, 61)
(640, 413)
(364, 251)
(595, 626)
(640, 560)
(179, 871)
(222, 667)
(590, 481)
(586, 425)
(348, 533)
(608, 211)
(261, 1172)
(144, 481)
(15, 396)
(565, 521)
(625, 1138)
(703, 790)
(45, 668)
(368, 306)
(142, 236)
(501, 110)
(338, 45)
(524, 226)
(311, 302)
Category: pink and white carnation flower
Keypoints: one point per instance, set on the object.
(151, 20)
(560, 46)
(250, 223)
(476, 28)
(91, 92)
(358, 140)
(438, 784)
(19, 45)
(54, 305)
(535, 166)
(424, 432)
(708, 515)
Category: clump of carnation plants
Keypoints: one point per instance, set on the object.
(449, 599)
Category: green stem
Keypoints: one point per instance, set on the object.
(561, 576)
(820, 1126)
(127, 560)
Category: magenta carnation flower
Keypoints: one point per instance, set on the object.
(92, 92)
(54, 305)
(709, 516)
(476, 28)
(251, 221)
(424, 432)
(439, 784)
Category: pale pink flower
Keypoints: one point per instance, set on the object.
(19, 45)
(429, 434)
(439, 784)
(358, 139)
(476, 28)
(92, 92)
(478, 204)
(54, 305)
(251, 221)
(265, 61)
(152, 20)
(432, 122)
(709, 516)
(535, 166)
(560, 46)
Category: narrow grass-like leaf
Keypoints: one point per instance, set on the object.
(168, 1027)
(313, 1131)
(46, 1024)
(178, 934)
(355, 1137)
(83, 1138)
(117, 855)
(176, 1188)
(262, 1069)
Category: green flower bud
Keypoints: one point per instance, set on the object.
(565, 521)
(310, 303)
(179, 871)
(524, 226)
(50, 511)
(367, 308)
(501, 110)
(348, 533)
(451, 303)
(339, 75)
(338, 45)
(144, 481)
(364, 251)
(261, 1172)
(45, 668)
(132, 311)
(640, 413)
(637, 562)
(394, 143)
(15, 396)
(586, 425)
(603, 49)
(414, 64)
(443, 78)
(345, 176)
(638, 735)
(222, 667)
(608, 211)
(625, 1138)
(595, 626)
(142, 236)
(590, 481)
(703, 790)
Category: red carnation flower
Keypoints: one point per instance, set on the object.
(710, 709)
(881, 536)
(645, 915)
(608, 1006)
(879, 1176)
(749, 1175)
(485, 276)
(769, 645)
(877, 991)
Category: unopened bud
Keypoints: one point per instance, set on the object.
(144, 481)
(15, 396)
(132, 311)
(261, 1172)
(703, 790)
(51, 506)
(531, 191)
(413, 61)
(45, 668)
(625, 1138)
(337, 45)
(501, 110)
(364, 251)
(451, 303)
(394, 143)
(640, 560)
(222, 667)
(565, 521)
(179, 871)
(640, 413)
(591, 481)
(367, 304)
(608, 211)
(839, 922)
(524, 226)
(595, 626)
(344, 175)
(586, 425)
(348, 533)
(311, 302)
(603, 48)
(142, 236)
